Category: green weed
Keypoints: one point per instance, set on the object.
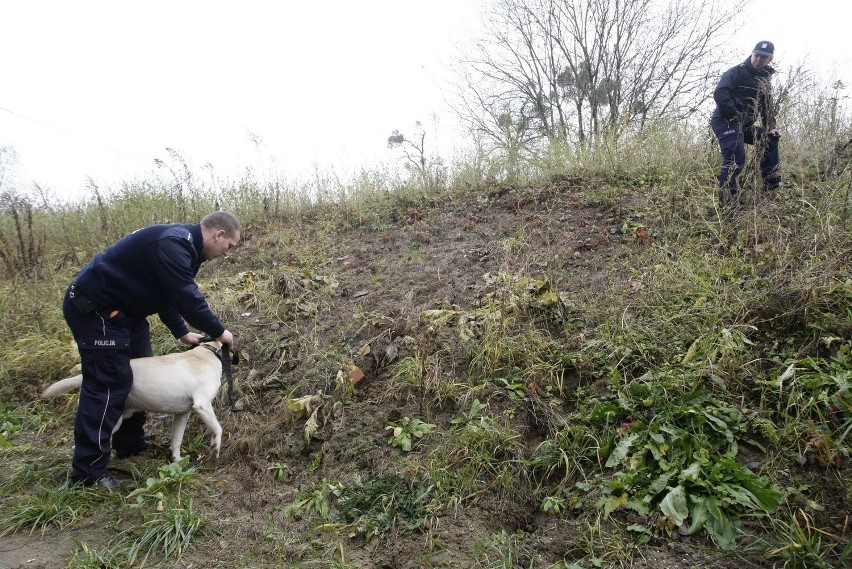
(505, 550)
(798, 543)
(812, 401)
(425, 376)
(477, 456)
(168, 531)
(15, 419)
(378, 506)
(48, 508)
(603, 545)
(172, 481)
(310, 500)
(666, 447)
(110, 556)
(406, 431)
(37, 471)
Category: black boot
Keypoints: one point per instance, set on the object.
(128, 452)
(772, 182)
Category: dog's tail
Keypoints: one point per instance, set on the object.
(62, 386)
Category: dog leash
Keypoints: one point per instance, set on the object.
(224, 355)
(226, 367)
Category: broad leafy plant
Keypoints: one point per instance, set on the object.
(170, 481)
(681, 459)
(406, 431)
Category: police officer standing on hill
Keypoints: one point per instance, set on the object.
(743, 96)
(150, 271)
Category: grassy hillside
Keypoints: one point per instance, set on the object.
(587, 364)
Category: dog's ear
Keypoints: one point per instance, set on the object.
(235, 357)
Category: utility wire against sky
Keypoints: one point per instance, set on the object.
(76, 136)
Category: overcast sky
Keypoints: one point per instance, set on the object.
(101, 88)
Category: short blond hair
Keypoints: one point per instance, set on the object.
(222, 220)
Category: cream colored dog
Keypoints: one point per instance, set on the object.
(175, 383)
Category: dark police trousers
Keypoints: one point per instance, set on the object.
(732, 140)
(107, 339)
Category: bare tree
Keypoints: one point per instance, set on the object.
(430, 171)
(577, 70)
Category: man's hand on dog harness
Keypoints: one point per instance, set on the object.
(227, 339)
(193, 339)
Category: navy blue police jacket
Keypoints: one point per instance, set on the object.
(744, 90)
(152, 271)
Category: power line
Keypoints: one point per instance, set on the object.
(77, 136)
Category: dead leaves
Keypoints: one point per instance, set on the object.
(354, 374)
(819, 451)
(508, 295)
(309, 406)
(300, 290)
